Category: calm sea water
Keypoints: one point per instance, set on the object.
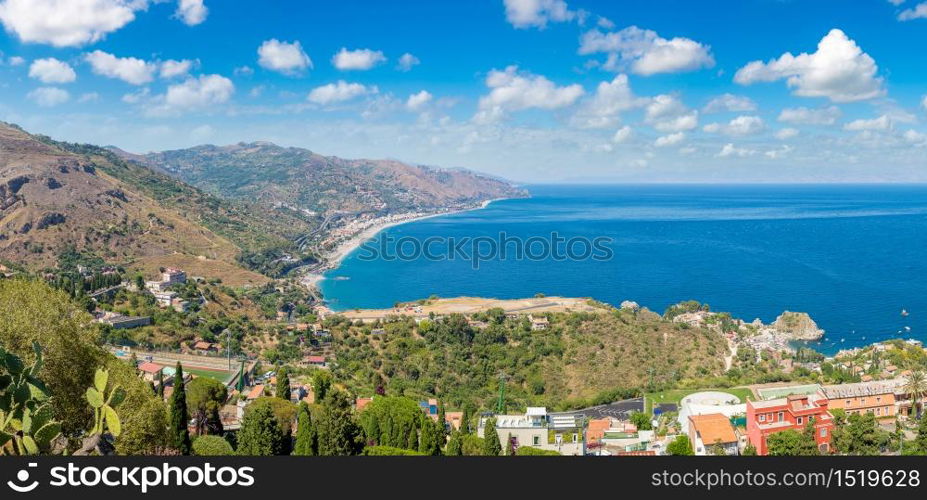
(851, 256)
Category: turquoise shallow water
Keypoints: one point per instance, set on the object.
(852, 256)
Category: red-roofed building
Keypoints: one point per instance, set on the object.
(791, 412)
(256, 392)
(314, 360)
(150, 371)
(453, 419)
(361, 403)
(596, 429)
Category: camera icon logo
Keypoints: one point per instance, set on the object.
(21, 485)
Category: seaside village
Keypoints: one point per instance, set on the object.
(729, 421)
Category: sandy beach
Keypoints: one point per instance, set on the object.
(334, 257)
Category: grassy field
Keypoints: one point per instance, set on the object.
(676, 395)
(219, 375)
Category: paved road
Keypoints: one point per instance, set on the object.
(619, 409)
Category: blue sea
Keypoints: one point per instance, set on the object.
(852, 256)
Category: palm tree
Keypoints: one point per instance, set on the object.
(916, 386)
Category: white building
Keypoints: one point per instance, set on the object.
(535, 428)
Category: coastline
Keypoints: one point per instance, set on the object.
(334, 258)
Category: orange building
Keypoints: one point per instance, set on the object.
(876, 397)
(791, 412)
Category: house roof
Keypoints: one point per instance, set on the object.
(202, 345)
(256, 392)
(361, 403)
(149, 367)
(315, 359)
(713, 428)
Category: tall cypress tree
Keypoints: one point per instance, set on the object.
(455, 445)
(306, 444)
(442, 422)
(465, 420)
(509, 447)
(412, 439)
(428, 444)
(491, 445)
(179, 433)
(160, 388)
(283, 384)
(260, 433)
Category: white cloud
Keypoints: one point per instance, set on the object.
(808, 116)
(730, 150)
(66, 23)
(924, 103)
(729, 102)
(896, 2)
(514, 91)
(786, 133)
(918, 12)
(48, 97)
(610, 99)
(775, 154)
(284, 57)
(173, 69)
(419, 100)
(740, 126)
(536, 13)
(646, 52)
(915, 137)
(838, 70)
(52, 70)
(339, 92)
(17, 61)
(666, 113)
(407, 61)
(191, 12)
(243, 71)
(193, 94)
(89, 97)
(623, 135)
(360, 59)
(881, 123)
(669, 140)
(127, 69)
(136, 97)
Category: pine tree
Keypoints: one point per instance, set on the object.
(338, 432)
(455, 445)
(260, 433)
(283, 384)
(306, 444)
(179, 433)
(491, 445)
(160, 388)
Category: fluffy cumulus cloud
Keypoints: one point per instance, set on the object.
(811, 116)
(669, 140)
(924, 103)
(742, 125)
(407, 61)
(838, 70)
(623, 135)
(729, 102)
(917, 12)
(610, 99)
(128, 69)
(191, 12)
(537, 13)
(66, 23)
(360, 59)
(284, 57)
(48, 97)
(883, 122)
(419, 100)
(730, 150)
(339, 92)
(52, 70)
(193, 94)
(786, 133)
(174, 69)
(512, 90)
(667, 113)
(645, 52)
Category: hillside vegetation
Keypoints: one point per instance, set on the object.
(580, 356)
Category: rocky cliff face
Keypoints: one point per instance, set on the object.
(797, 326)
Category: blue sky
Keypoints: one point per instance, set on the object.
(533, 90)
